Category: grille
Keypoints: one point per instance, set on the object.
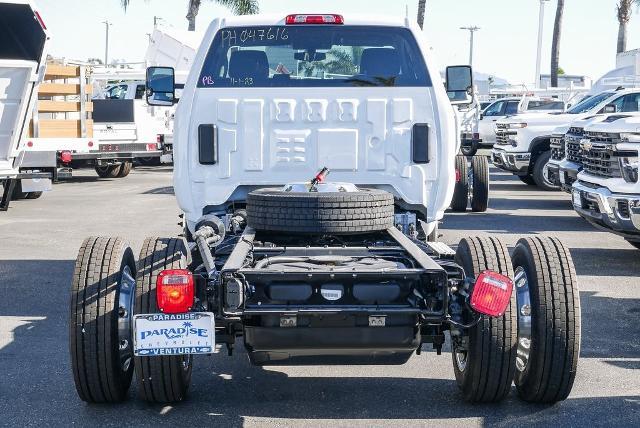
(623, 208)
(574, 130)
(572, 144)
(502, 134)
(557, 147)
(601, 159)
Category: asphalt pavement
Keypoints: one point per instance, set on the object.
(39, 240)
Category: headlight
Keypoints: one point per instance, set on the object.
(632, 137)
(517, 125)
(629, 168)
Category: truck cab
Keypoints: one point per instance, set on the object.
(523, 141)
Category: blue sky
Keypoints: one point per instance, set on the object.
(505, 46)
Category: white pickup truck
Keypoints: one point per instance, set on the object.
(523, 141)
(607, 190)
(301, 266)
(23, 42)
(505, 107)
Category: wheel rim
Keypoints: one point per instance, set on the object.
(545, 177)
(461, 360)
(126, 299)
(523, 299)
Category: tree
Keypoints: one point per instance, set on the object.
(238, 7)
(422, 4)
(623, 10)
(555, 44)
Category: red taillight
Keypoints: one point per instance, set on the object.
(314, 19)
(457, 176)
(65, 156)
(491, 293)
(152, 147)
(39, 18)
(174, 291)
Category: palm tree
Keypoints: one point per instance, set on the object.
(555, 45)
(238, 7)
(624, 15)
(422, 4)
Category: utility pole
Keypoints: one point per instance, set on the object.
(540, 30)
(471, 30)
(107, 24)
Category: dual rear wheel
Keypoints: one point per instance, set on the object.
(106, 292)
(536, 342)
(472, 184)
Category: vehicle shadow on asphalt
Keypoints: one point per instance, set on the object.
(229, 391)
(607, 262)
(167, 190)
(513, 223)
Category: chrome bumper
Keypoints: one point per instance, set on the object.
(618, 213)
(517, 163)
(567, 174)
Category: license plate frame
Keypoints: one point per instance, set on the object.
(576, 197)
(160, 334)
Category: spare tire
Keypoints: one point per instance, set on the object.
(274, 210)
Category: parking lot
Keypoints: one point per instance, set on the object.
(38, 245)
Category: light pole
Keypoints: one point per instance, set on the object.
(540, 28)
(107, 24)
(471, 30)
(156, 20)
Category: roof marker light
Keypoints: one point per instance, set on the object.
(314, 19)
(39, 18)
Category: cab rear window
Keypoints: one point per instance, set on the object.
(314, 56)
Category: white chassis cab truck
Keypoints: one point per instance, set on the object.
(300, 266)
(607, 190)
(523, 141)
(23, 41)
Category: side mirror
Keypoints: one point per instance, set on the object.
(610, 108)
(161, 84)
(481, 116)
(459, 83)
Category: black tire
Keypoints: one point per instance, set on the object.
(18, 193)
(555, 320)
(34, 195)
(469, 150)
(274, 210)
(108, 171)
(527, 179)
(635, 244)
(125, 169)
(460, 199)
(99, 374)
(489, 360)
(151, 161)
(163, 379)
(480, 194)
(539, 175)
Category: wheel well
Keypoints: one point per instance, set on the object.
(538, 146)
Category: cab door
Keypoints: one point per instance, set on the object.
(488, 119)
